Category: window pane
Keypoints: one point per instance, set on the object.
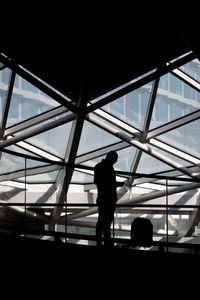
(93, 137)
(192, 69)
(82, 178)
(27, 101)
(124, 162)
(41, 178)
(185, 138)
(54, 140)
(4, 81)
(29, 162)
(125, 159)
(11, 163)
(174, 99)
(149, 164)
(132, 107)
(40, 193)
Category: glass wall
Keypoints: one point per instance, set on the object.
(38, 126)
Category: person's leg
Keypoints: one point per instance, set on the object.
(99, 227)
(107, 236)
(107, 227)
(99, 233)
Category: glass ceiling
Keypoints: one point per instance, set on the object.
(154, 128)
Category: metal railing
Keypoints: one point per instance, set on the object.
(30, 218)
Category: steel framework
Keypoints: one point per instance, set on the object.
(95, 113)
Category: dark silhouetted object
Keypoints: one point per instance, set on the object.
(141, 232)
(105, 179)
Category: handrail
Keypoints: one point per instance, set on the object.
(77, 204)
(67, 205)
(123, 241)
(22, 230)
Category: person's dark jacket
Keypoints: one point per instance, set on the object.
(105, 179)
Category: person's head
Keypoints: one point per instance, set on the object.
(112, 157)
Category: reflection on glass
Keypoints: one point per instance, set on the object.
(40, 193)
(148, 164)
(125, 159)
(192, 69)
(40, 178)
(11, 163)
(132, 107)
(82, 178)
(185, 138)
(124, 162)
(93, 137)
(54, 140)
(4, 82)
(29, 162)
(27, 101)
(174, 99)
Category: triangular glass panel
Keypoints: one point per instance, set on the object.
(11, 163)
(27, 101)
(49, 177)
(82, 178)
(4, 84)
(93, 137)
(125, 159)
(185, 138)
(149, 164)
(30, 163)
(124, 162)
(132, 107)
(20, 150)
(54, 141)
(192, 69)
(40, 193)
(174, 99)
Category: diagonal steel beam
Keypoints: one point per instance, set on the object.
(100, 152)
(38, 83)
(158, 194)
(35, 120)
(7, 103)
(195, 219)
(70, 158)
(135, 85)
(145, 130)
(150, 107)
(141, 146)
(117, 122)
(172, 150)
(71, 152)
(138, 199)
(29, 172)
(174, 124)
(29, 133)
(187, 79)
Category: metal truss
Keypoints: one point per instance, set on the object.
(145, 140)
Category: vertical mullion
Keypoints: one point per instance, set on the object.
(150, 106)
(72, 148)
(7, 103)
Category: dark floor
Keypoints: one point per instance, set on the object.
(72, 269)
(80, 256)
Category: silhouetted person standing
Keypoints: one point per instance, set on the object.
(105, 179)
